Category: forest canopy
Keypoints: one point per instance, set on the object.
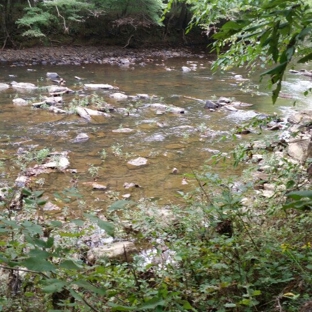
(269, 33)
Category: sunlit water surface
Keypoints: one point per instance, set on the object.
(182, 141)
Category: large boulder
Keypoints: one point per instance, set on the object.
(111, 251)
(27, 86)
(300, 150)
(20, 102)
(4, 86)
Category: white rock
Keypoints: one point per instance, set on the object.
(300, 150)
(118, 96)
(20, 102)
(129, 185)
(57, 110)
(186, 69)
(50, 207)
(62, 163)
(93, 112)
(53, 100)
(162, 108)
(123, 130)
(86, 113)
(114, 250)
(52, 75)
(98, 186)
(143, 96)
(267, 193)
(23, 85)
(58, 90)
(81, 137)
(21, 181)
(137, 162)
(95, 86)
(4, 86)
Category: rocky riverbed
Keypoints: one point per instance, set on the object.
(78, 55)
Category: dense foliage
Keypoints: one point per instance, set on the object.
(227, 249)
(270, 33)
(22, 20)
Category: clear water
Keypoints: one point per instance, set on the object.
(168, 141)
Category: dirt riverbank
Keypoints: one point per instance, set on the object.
(78, 55)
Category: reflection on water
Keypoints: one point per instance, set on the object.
(174, 144)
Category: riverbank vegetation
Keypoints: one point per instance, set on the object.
(238, 244)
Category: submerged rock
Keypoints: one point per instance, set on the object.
(114, 250)
(86, 113)
(81, 137)
(137, 162)
(123, 130)
(211, 105)
(57, 110)
(166, 108)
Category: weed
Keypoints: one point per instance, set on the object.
(93, 171)
(117, 150)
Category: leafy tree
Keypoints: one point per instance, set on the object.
(268, 32)
(53, 12)
(66, 12)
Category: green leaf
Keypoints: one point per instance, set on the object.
(57, 224)
(54, 285)
(50, 242)
(37, 194)
(276, 91)
(120, 204)
(300, 194)
(69, 265)
(89, 287)
(186, 305)
(152, 304)
(306, 58)
(40, 254)
(276, 70)
(116, 307)
(37, 264)
(26, 192)
(42, 202)
(108, 227)
(78, 222)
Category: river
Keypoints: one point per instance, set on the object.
(173, 144)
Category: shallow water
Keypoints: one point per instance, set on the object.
(168, 141)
